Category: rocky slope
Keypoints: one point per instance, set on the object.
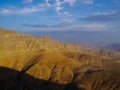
(56, 65)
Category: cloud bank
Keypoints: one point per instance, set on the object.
(106, 17)
(57, 5)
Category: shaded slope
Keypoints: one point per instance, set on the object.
(98, 80)
(9, 80)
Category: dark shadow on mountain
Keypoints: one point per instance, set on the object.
(11, 80)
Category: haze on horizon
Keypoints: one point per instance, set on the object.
(78, 21)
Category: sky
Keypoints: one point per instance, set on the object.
(74, 18)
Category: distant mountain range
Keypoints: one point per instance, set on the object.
(41, 63)
(113, 46)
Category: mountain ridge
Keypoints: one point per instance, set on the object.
(113, 46)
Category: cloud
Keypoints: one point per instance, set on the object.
(68, 27)
(58, 7)
(5, 11)
(92, 27)
(70, 2)
(58, 10)
(47, 26)
(47, 3)
(20, 11)
(27, 1)
(25, 10)
(106, 13)
(86, 1)
(68, 20)
(108, 17)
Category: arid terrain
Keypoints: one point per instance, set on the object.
(40, 63)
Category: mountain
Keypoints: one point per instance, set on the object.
(4, 32)
(113, 46)
(47, 64)
(110, 53)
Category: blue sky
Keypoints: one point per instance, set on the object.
(60, 15)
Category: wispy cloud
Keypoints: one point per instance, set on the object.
(47, 3)
(70, 2)
(92, 27)
(68, 20)
(68, 27)
(86, 1)
(109, 17)
(106, 12)
(27, 1)
(57, 5)
(25, 10)
(47, 26)
(5, 11)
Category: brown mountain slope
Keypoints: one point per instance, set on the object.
(57, 62)
(4, 32)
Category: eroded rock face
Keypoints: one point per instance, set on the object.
(71, 66)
